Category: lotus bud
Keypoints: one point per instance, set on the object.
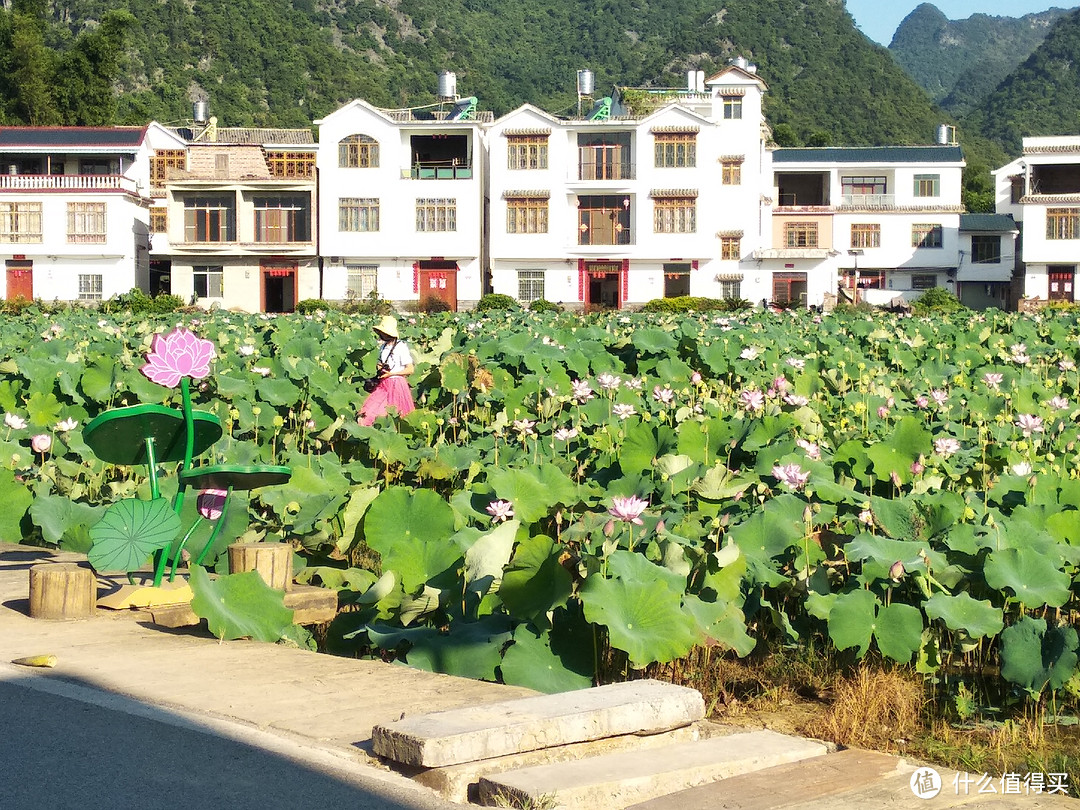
(661, 527)
(894, 478)
(41, 443)
(896, 571)
(609, 528)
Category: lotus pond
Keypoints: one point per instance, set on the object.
(577, 490)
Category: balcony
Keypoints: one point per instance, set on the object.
(439, 170)
(868, 201)
(67, 182)
(605, 170)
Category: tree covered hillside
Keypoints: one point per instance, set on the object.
(1040, 96)
(272, 62)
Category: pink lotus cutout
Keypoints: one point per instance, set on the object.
(211, 503)
(178, 354)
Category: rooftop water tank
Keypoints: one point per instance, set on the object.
(585, 83)
(447, 84)
(200, 111)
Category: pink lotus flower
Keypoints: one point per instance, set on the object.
(1060, 403)
(211, 503)
(14, 421)
(1028, 423)
(41, 443)
(796, 399)
(752, 399)
(628, 510)
(696, 378)
(178, 354)
(993, 379)
(565, 434)
(608, 382)
(524, 427)
(580, 391)
(66, 425)
(946, 446)
(812, 450)
(623, 411)
(663, 395)
(500, 510)
(791, 475)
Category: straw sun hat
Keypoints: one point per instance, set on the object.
(387, 325)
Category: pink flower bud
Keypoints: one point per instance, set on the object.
(41, 443)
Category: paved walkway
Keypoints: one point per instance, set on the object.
(308, 715)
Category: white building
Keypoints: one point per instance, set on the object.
(882, 221)
(74, 210)
(402, 200)
(235, 222)
(650, 193)
(987, 260)
(1041, 191)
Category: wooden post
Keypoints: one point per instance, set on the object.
(62, 591)
(273, 561)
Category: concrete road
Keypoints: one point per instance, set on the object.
(64, 744)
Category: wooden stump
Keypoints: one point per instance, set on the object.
(273, 561)
(62, 591)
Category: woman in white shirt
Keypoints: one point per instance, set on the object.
(394, 368)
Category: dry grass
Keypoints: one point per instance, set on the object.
(874, 708)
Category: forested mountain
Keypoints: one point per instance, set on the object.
(1039, 97)
(286, 62)
(959, 62)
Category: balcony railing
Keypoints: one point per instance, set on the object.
(66, 182)
(441, 170)
(869, 200)
(605, 170)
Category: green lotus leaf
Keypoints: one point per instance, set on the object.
(354, 579)
(239, 605)
(644, 619)
(531, 662)
(772, 530)
(425, 601)
(62, 519)
(905, 444)
(278, 392)
(719, 483)
(98, 380)
(533, 491)
(851, 620)
(534, 582)
(453, 371)
(643, 444)
(44, 409)
(468, 650)
(411, 530)
(1035, 579)
(650, 340)
(632, 567)
(486, 558)
(722, 622)
(130, 531)
(897, 517)
(360, 498)
(1033, 657)
(702, 440)
(898, 631)
(975, 617)
(16, 499)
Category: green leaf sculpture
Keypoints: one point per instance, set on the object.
(130, 531)
(239, 605)
(1033, 657)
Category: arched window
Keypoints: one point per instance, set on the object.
(358, 152)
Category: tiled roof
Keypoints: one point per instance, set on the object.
(987, 223)
(870, 154)
(223, 162)
(257, 136)
(75, 137)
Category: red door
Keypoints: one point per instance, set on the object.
(437, 281)
(20, 280)
(1060, 278)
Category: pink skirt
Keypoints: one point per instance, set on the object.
(392, 392)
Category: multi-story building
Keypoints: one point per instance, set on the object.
(402, 200)
(650, 193)
(881, 222)
(236, 219)
(74, 210)
(987, 261)
(1041, 191)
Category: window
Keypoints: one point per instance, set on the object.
(730, 288)
(358, 152)
(800, 235)
(209, 218)
(527, 152)
(436, 215)
(162, 161)
(358, 214)
(927, 185)
(923, 281)
(730, 248)
(291, 164)
(604, 156)
(530, 285)
(986, 249)
(89, 286)
(159, 219)
(528, 215)
(603, 219)
(1063, 223)
(731, 172)
(221, 167)
(675, 215)
(86, 222)
(926, 236)
(361, 281)
(865, 236)
(857, 188)
(209, 281)
(675, 150)
(20, 222)
(282, 218)
(732, 107)
(97, 166)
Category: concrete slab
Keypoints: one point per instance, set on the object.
(512, 727)
(614, 781)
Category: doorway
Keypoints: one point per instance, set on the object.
(437, 282)
(1060, 278)
(279, 289)
(20, 280)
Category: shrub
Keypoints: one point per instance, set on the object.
(936, 299)
(371, 304)
(138, 302)
(15, 306)
(496, 301)
(312, 305)
(689, 303)
(543, 305)
(432, 305)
